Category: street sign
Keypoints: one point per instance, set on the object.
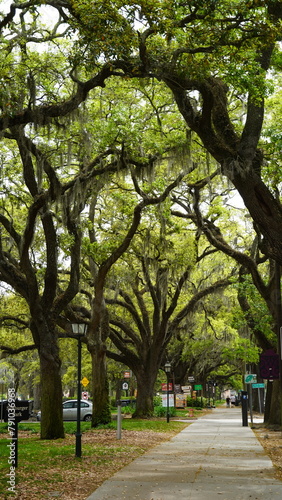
(198, 387)
(258, 386)
(85, 381)
(170, 400)
(164, 387)
(180, 401)
(191, 379)
(186, 388)
(125, 386)
(127, 374)
(84, 395)
(269, 365)
(21, 410)
(250, 378)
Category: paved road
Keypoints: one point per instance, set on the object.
(215, 458)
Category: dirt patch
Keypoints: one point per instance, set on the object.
(271, 440)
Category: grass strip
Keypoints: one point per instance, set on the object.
(50, 468)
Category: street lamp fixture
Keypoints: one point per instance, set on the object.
(79, 330)
(167, 368)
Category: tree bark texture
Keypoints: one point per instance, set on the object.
(51, 394)
(274, 416)
(145, 394)
(240, 159)
(100, 386)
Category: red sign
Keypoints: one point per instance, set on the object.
(126, 374)
(164, 387)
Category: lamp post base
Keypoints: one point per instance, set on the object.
(78, 445)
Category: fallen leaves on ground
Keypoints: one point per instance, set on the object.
(80, 477)
(85, 475)
(271, 440)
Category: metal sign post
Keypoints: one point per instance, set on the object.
(13, 413)
(119, 419)
(249, 379)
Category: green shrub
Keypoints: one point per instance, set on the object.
(113, 402)
(198, 402)
(157, 401)
(111, 425)
(160, 411)
(128, 410)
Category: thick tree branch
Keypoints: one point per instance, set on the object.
(10, 351)
(129, 332)
(42, 114)
(260, 336)
(220, 284)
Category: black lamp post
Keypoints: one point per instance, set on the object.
(79, 329)
(167, 368)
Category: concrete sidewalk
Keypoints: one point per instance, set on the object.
(214, 458)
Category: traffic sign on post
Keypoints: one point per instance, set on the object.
(258, 386)
(250, 378)
(85, 381)
(269, 365)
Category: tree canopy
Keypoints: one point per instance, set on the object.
(91, 88)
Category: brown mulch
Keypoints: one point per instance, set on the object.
(271, 440)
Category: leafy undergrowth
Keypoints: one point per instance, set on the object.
(49, 469)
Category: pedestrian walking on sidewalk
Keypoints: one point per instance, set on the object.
(227, 402)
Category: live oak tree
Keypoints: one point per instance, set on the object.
(16, 345)
(35, 276)
(211, 346)
(152, 294)
(29, 260)
(41, 251)
(56, 168)
(257, 282)
(202, 52)
(46, 185)
(150, 142)
(108, 241)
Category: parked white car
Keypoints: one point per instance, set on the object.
(70, 410)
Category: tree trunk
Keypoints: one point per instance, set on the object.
(100, 389)
(71, 392)
(51, 397)
(274, 415)
(145, 395)
(36, 396)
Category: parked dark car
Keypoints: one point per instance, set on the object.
(128, 402)
(70, 410)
